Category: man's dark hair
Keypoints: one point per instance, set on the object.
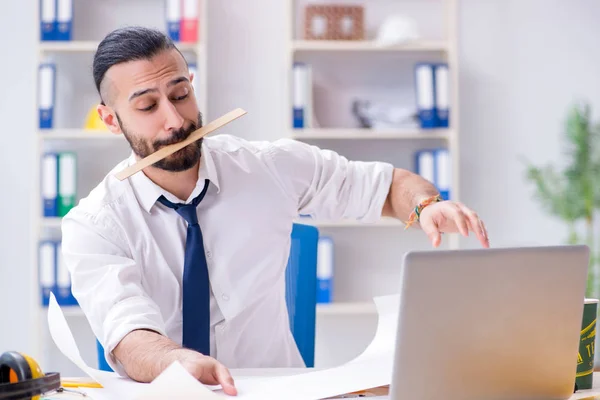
(128, 44)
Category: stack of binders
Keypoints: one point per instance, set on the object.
(435, 166)
(56, 20)
(59, 183)
(182, 20)
(432, 95)
(53, 274)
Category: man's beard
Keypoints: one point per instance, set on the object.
(181, 160)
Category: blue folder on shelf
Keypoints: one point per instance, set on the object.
(49, 184)
(46, 94)
(64, 19)
(46, 270)
(442, 96)
(173, 19)
(47, 20)
(425, 93)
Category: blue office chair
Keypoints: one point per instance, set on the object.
(301, 289)
(300, 296)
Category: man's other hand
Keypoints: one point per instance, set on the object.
(145, 354)
(206, 369)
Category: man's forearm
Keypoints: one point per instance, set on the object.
(145, 354)
(406, 191)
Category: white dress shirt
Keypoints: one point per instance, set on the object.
(125, 251)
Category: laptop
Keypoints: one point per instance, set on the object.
(489, 324)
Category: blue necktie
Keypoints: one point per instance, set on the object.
(196, 286)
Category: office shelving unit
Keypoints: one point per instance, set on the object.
(368, 257)
(97, 150)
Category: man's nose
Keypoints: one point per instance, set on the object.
(173, 120)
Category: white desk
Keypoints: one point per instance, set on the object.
(590, 394)
(241, 373)
(238, 374)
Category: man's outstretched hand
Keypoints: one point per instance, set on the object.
(206, 369)
(452, 217)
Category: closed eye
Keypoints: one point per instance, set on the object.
(149, 108)
(182, 97)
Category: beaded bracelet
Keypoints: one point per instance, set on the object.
(415, 215)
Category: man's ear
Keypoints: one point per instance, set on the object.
(109, 117)
(191, 77)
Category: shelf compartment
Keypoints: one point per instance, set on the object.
(366, 134)
(83, 46)
(383, 223)
(77, 134)
(367, 45)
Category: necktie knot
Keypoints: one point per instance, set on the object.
(187, 211)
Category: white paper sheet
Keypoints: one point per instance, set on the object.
(173, 383)
(113, 384)
(370, 369)
(382, 346)
(176, 383)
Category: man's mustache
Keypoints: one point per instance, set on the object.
(178, 136)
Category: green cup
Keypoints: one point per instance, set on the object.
(585, 358)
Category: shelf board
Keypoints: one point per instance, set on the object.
(366, 45)
(75, 46)
(51, 222)
(365, 133)
(68, 46)
(349, 308)
(382, 223)
(77, 134)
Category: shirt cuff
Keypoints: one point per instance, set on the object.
(376, 176)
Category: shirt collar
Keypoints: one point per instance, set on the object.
(147, 192)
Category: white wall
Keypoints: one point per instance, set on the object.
(521, 64)
(246, 68)
(17, 118)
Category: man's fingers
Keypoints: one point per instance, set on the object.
(225, 380)
(476, 225)
(485, 233)
(460, 219)
(432, 231)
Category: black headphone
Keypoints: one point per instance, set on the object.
(22, 378)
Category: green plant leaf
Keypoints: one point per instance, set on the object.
(574, 193)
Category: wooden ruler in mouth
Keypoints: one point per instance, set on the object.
(172, 148)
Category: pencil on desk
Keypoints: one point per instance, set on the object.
(80, 382)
